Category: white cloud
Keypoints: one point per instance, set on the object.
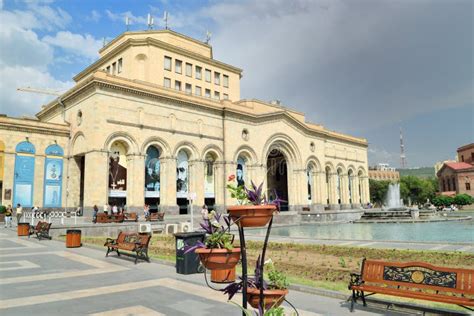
(94, 16)
(24, 57)
(16, 103)
(85, 45)
(22, 47)
(121, 17)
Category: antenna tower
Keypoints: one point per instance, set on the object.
(403, 160)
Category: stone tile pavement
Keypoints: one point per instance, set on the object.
(46, 278)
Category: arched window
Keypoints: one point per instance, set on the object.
(209, 176)
(328, 192)
(182, 176)
(53, 175)
(24, 174)
(351, 177)
(152, 172)
(339, 186)
(241, 171)
(309, 178)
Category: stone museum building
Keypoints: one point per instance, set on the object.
(156, 120)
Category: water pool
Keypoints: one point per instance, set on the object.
(447, 231)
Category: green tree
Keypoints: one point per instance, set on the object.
(442, 201)
(463, 199)
(417, 190)
(378, 190)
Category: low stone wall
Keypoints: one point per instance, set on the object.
(329, 216)
(108, 230)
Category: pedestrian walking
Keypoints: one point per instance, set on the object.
(106, 208)
(94, 214)
(8, 216)
(19, 213)
(115, 209)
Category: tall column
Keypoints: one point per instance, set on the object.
(38, 181)
(96, 178)
(297, 189)
(135, 182)
(219, 186)
(168, 185)
(366, 189)
(8, 177)
(322, 188)
(364, 185)
(196, 181)
(355, 192)
(316, 199)
(332, 188)
(345, 204)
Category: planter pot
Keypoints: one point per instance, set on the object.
(223, 276)
(271, 298)
(251, 215)
(218, 259)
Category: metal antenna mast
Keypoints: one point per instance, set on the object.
(403, 160)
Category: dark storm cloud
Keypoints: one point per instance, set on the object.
(351, 65)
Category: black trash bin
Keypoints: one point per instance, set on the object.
(187, 263)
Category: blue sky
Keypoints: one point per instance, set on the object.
(359, 67)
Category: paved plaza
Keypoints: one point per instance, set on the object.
(46, 278)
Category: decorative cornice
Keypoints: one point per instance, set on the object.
(21, 126)
(174, 131)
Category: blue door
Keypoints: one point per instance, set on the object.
(53, 176)
(24, 175)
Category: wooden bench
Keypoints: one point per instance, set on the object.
(158, 216)
(105, 218)
(41, 230)
(416, 280)
(130, 217)
(132, 242)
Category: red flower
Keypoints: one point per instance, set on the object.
(231, 177)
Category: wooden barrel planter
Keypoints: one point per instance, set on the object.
(251, 215)
(23, 229)
(73, 238)
(218, 259)
(271, 298)
(223, 276)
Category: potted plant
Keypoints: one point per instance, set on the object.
(3, 209)
(274, 291)
(253, 209)
(217, 251)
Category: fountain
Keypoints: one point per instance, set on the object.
(392, 199)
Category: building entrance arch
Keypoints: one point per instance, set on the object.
(277, 177)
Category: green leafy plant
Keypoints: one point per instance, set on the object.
(3, 209)
(217, 235)
(278, 279)
(237, 191)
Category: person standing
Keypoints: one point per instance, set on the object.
(19, 213)
(94, 214)
(115, 209)
(8, 216)
(106, 208)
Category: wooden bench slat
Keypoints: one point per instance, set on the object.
(417, 280)
(130, 241)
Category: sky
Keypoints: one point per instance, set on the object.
(366, 68)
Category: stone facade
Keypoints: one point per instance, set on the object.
(110, 124)
(384, 175)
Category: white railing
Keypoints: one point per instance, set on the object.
(49, 216)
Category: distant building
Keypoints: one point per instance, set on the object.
(440, 164)
(383, 171)
(466, 153)
(458, 177)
